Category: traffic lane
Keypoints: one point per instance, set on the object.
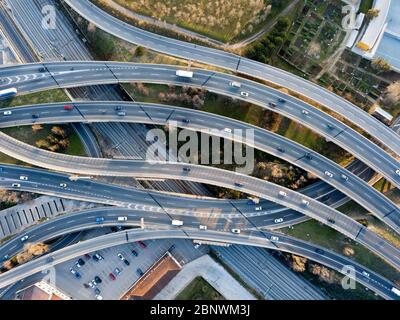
(125, 72)
(254, 238)
(264, 141)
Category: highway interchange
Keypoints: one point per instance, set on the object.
(91, 112)
(221, 215)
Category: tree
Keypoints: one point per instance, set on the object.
(380, 65)
(139, 51)
(372, 13)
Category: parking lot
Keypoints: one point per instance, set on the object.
(183, 251)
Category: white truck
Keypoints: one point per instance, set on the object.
(396, 291)
(184, 74)
(177, 223)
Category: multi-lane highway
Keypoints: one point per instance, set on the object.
(239, 64)
(28, 78)
(256, 238)
(264, 140)
(207, 175)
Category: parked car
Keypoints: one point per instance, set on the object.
(97, 257)
(112, 277)
(134, 253)
(142, 244)
(121, 256)
(117, 271)
(127, 262)
(139, 272)
(98, 280)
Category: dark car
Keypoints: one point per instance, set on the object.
(98, 279)
(127, 262)
(118, 108)
(186, 169)
(331, 221)
(87, 256)
(139, 272)
(187, 121)
(330, 127)
(81, 262)
(280, 100)
(308, 156)
(320, 251)
(86, 286)
(97, 291)
(134, 252)
(142, 244)
(42, 69)
(280, 149)
(35, 116)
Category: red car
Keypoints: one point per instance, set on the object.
(69, 107)
(142, 244)
(112, 277)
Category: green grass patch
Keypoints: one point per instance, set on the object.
(199, 289)
(49, 96)
(324, 236)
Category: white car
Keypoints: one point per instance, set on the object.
(258, 208)
(366, 274)
(23, 178)
(63, 185)
(398, 172)
(122, 219)
(197, 245)
(305, 202)
(305, 112)
(283, 193)
(329, 174)
(280, 220)
(274, 238)
(244, 94)
(121, 257)
(24, 238)
(7, 113)
(203, 227)
(228, 130)
(16, 185)
(344, 177)
(236, 231)
(99, 297)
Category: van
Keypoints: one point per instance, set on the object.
(235, 84)
(177, 223)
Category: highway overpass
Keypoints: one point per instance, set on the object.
(279, 146)
(226, 60)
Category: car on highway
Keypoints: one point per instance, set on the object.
(121, 256)
(366, 274)
(344, 177)
(238, 185)
(202, 227)
(279, 220)
(305, 202)
(112, 276)
(186, 121)
(329, 174)
(282, 193)
(122, 219)
(63, 185)
(281, 100)
(235, 84)
(42, 69)
(134, 253)
(139, 272)
(197, 245)
(274, 238)
(118, 108)
(97, 257)
(398, 172)
(35, 116)
(258, 208)
(117, 271)
(75, 273)
(305, 112)
(236, 231)
(187, 169)
(121, 113)
(319, 251)
(142, 244)
(16, 185)
(100, 219)
(69, 107)
(244, 94)
(7, 113)
(228, 130)
(23, 178)
(330, 220)
(272, 104)
(308, 156)
(280, 149)
(330, 127)
(24, 238)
